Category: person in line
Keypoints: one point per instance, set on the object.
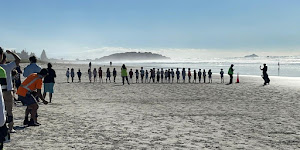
(162, 75)
(265, 75)
(136, 76)
(32, 67)
(146, 77)
(124, 74)
(142, 74)
(189, 74)
(90, 74)
(230, 73)
(158, 75)
(30, 88)
(204, 76)
(195, 76)
(95, 74)
(166, 75)
(209, 76)
(7, 90)
(169, 75)
(68, 75)
(79, 75)
(108, 75)
(173, 75)
(49, 82)
(100, 75)
(183, 74)
(115, 74)
(178, 75)
(131, 75)
(199, 75)
(153, 75)
(222, 75)
(72, 74)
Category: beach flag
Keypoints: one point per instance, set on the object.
(237, 79)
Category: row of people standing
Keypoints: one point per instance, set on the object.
(156, 76)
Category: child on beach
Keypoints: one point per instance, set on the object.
(204, 76)
(108, 75)
(142, 74)
(68, 75)
(189, 74)
(100, 74)
(95, 74)
(130, 75)
(183, 74)
(79, 75)
(199, 75)
(146, 77)
(115, 74)
(173, 75)
(195, 76)
(90, 74)
(137, 76)
(124, 74)
(178, 75)
(158, 75)
(72, 74)
(209, 76)
(222, 75)
(162, 75)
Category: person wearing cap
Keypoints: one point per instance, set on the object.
(31, 87)
(7, 90)
(230, 73)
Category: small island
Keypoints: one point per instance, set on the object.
(253, 55)
(133, 56)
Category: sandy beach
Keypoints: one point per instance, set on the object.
(164, 116)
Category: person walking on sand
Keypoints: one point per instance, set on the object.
(131, 75)
(115, 74)
(178, 75)
(142, 74)
(95, 74)
(68, 75)
(90, 75)
(265, 75)
(183, 74)
(222, 75)
(8, 88)
(79, 75)
(136, 76)
(204, 76)
(189, 74)
(49, 82)
(169, 75)
(146, 77)
(108, 75)
(72, 74)
(124, 74)
(209, 76)
(153, 75)
(27, 92)
(173, 75)
(90, 65)
(195, 76)
(166, 75)
(230, 73)
(158, 75)
(32, 67)
(100, 75)
(199, 75)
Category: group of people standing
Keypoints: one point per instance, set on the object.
(153, 75)
(27, 91)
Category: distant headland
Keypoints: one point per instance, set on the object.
(133, 56)
(253, 55)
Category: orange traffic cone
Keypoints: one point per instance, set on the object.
(237, 79)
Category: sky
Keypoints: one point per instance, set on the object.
(84, 29)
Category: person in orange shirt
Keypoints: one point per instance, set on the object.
(31, 87)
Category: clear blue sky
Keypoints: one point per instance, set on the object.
(69, 27)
